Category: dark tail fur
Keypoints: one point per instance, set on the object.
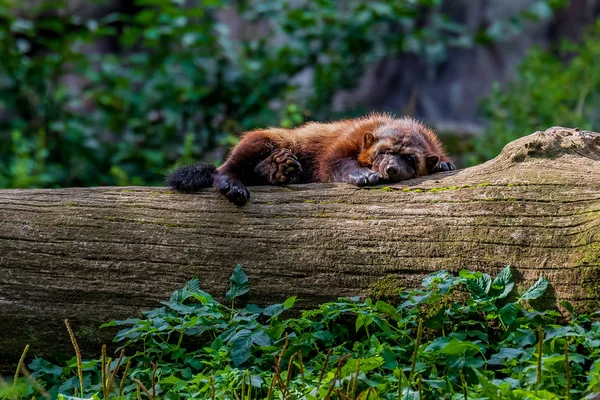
(192, 177)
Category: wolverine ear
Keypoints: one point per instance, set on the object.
(368, 140)
(432, 161)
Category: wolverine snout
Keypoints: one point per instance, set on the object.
(395, 169)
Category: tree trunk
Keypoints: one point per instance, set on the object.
(92, 255)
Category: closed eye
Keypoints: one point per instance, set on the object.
(411, 159)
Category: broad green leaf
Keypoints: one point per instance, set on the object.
(503, 283)
(169, 380)
(536, 290)
(504, 354)
(504, 277)
(40, 365)
(438, 344)
(190, 287)
(239, 283)
(480, 287)
(509, 314)
(260, 338)
(455, 347)
(360, 321)
(323, 335)
(274, 310)
(241, 347)
(366, 365)
(289, 302)
(469, 274)
(256, 380)
(254, 309)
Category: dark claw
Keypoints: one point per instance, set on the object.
(223, 186)
(364, 178)
(445, 166)
(238, 195)
(234, 191)
(374, 178)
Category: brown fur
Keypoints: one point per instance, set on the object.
(352, 150)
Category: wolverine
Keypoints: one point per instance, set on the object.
(374, 149)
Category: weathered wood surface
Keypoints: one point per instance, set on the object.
(91, 255)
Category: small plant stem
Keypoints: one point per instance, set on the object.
(355, 380)
(567, 371)
(278, 367)
(141, 385)
(301, 369)
(324, 366)
(540, 355)
(250, 388)
(400, 375)
(420, 385)
(124, 377)
(337, 374)
(271, 387)
(20, 365)
(243, 381)
(180, 339)
(77, 354)
(103, 373)
(153, 379)
(212, 388)
(17, 372)
(416, 351)
(346, 394)
(290, 369)
(119, 361)
(277, 372)
(464, 384)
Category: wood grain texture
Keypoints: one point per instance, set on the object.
(91, 255)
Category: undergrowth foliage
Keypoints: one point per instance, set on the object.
(465, 336)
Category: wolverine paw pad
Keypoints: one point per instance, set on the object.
(284, 166)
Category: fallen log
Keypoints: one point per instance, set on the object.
(96, 254)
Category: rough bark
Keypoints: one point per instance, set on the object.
(91, 255)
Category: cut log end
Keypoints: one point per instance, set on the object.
(552, 144)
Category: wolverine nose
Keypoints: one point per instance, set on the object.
(391, 171)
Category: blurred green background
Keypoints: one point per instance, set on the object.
(121, 92)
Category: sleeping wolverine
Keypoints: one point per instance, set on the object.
(365, 151)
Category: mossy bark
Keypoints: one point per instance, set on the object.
(91, 255)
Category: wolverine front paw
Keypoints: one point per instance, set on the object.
(364, 177)
(444, 166)
(280, 168)
(234, 190)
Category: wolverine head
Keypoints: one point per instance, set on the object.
(400, 149)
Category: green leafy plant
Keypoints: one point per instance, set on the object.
(465, 336)
(555, 87)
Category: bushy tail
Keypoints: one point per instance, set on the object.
(192, 177)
